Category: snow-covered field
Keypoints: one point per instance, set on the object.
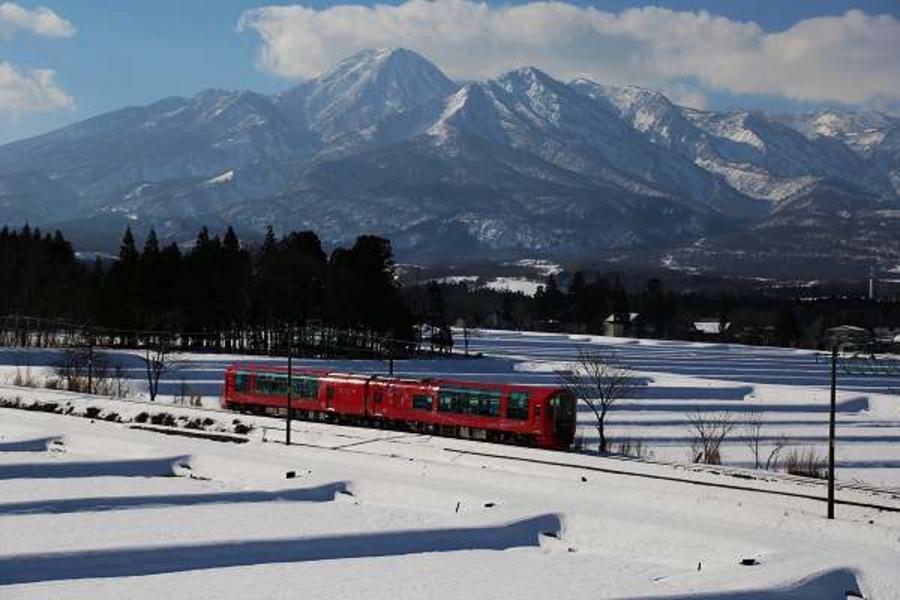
(790, 387)
(93, 509)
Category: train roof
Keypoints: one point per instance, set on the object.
(433, 381)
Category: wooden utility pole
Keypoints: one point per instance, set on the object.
(390, 361)
(831, 426)
(290, 386)
(90, 362)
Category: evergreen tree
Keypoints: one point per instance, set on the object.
(621, 309)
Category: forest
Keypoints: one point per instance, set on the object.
(218, 294)
(214, 295)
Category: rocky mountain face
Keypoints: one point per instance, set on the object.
(520, 165)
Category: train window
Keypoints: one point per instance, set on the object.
(423, 403)
(241, 381)
(271, 385)
(305, 387)
(483, 403)
(517, 405)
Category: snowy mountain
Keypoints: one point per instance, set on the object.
(873, 135)
(384, 142)
(759, 156)
(363, 89)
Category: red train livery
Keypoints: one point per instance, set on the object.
(517, 414)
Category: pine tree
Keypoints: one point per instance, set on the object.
(127, 250)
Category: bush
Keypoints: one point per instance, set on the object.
(24, 377)
(92, 412)
(708, 432)
(629, 446)
(142, 417)
(165, 419)
(806, 462)
(578, 443)
(242, 428)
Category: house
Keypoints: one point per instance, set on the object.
(710, 327)
(622, 325)
(849, 337)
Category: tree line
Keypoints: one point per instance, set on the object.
(221, 294)
(583, 302)
(216, 294)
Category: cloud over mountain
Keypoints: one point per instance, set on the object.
(849, 58)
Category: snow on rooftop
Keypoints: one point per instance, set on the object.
(225, 177)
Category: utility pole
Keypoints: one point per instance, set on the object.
(290, 385)
(390, 361)
(831, 423)
(90, 362)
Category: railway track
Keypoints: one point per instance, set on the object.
(684, 480)
(890, 494)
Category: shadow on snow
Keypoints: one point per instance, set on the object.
(130, 562)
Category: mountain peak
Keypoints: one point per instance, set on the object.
(373, 60)
(367, 87)
(529, 74)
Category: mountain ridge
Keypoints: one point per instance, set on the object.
(521, 165)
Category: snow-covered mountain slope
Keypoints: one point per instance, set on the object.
(820, 230)
(873, 135)
(102, 160)
(363, 89)
(384, 142)
(529, 110)
(758, 155)
(863, 131)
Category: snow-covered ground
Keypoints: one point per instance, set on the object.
(92, 509)
(790, 387)
(95, 509)
(519, 285)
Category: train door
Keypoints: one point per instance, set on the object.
(376, 397)
(562, 414)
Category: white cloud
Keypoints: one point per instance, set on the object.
(684, 94)
(848, 58)
(41, 20)
(34, 91)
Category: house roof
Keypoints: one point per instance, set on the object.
(711, 326)
(612, 318)
(848, 330)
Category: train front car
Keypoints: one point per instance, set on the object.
(559, 421)
(506, 413)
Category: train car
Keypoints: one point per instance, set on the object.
(538, 416)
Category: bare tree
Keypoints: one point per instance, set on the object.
(754, 422)
(709, 431)
(599, 379)
(753, 426)
(774, 458)
(158, 360)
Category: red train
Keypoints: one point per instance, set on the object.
(516, 414)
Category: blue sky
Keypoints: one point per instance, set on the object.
(106, 54)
